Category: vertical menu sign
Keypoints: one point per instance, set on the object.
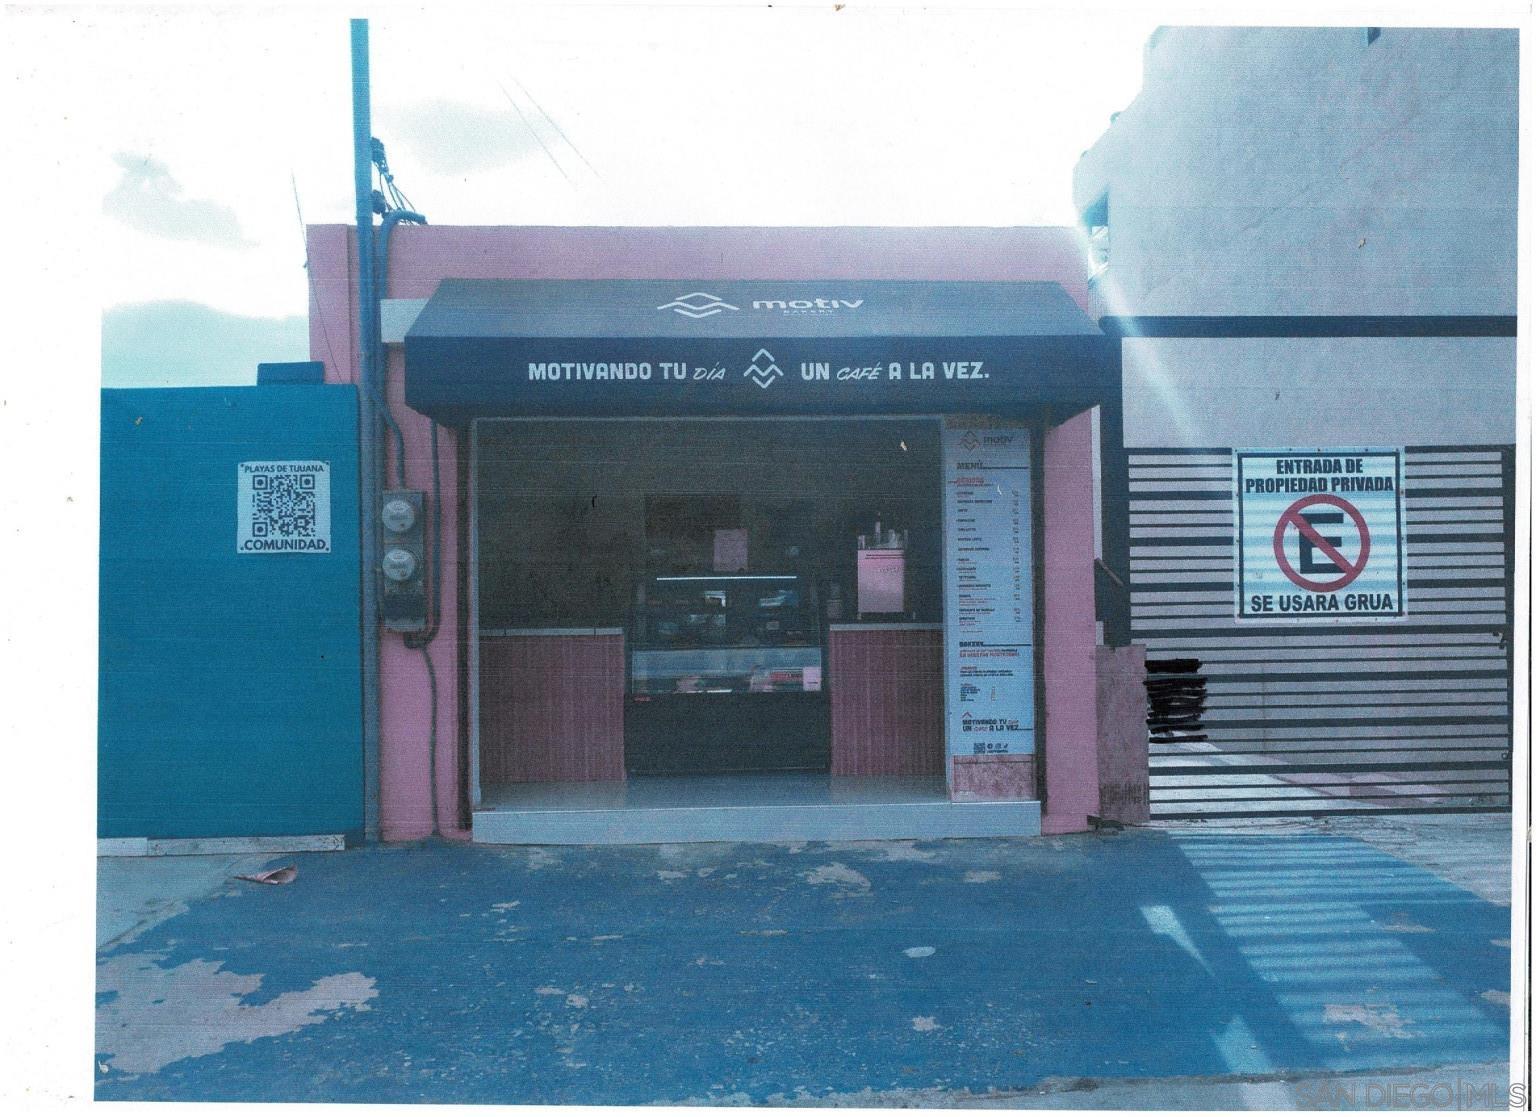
(989, 691)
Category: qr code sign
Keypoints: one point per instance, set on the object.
(283, 506)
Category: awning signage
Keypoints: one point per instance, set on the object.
(620, 347)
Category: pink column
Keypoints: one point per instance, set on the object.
(1071, 694)
(405, 699)
(405, 706)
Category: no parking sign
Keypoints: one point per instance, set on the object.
(1319, 534)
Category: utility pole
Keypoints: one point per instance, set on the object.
(370, 423)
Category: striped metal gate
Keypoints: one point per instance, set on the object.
(1308, 719)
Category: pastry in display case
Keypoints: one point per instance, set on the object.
(725, 634)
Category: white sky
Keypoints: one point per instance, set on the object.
(680, 115)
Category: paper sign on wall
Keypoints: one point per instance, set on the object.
(730, 550)
(283, 507)
(989, 692)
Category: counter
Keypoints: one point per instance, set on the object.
(552, 705)
(886, 685)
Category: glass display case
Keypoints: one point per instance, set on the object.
(725, 634)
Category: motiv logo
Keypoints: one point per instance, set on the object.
(763, 374)
(700, 304)
(807, 306)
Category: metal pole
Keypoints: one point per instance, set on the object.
(369, 425)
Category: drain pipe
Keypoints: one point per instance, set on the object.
(369, 427)
(381, 292)
(423, 641)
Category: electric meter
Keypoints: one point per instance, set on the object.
(399, 564)
(398, 516)
(402, 561)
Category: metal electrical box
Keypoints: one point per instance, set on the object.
(402, 561)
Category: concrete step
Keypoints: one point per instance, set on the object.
(771, 822)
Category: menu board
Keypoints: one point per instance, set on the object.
(989, 664)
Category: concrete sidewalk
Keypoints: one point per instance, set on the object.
(1471, 851)
(1195, 968)
(134, 894)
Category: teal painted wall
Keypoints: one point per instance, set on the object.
(230, 686)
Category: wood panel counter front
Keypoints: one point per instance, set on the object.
(886, 684)
(551, 705)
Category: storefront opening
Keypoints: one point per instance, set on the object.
(694, 574)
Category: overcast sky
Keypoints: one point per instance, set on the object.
(656, 115)
(197, 135)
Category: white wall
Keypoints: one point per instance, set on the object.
(1305, 171)
(1319, 391)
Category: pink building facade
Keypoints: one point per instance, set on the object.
(563, 691)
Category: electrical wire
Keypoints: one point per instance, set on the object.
(374, 345)
(396, 196)
(423, 640)
(558, 130)
(435, 562)
(534, 133)
(426, 656)
(309, 276)
(396, 208)
(381, 285)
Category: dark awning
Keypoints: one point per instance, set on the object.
(759, 347)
